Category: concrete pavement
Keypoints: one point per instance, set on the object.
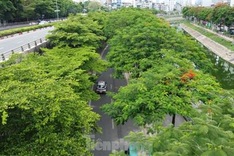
(213, 46)
(218, 34)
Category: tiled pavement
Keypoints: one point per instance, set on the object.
(213, 46)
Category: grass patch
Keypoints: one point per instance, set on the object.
(214, 37)
(23, 29)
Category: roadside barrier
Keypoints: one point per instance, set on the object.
(22, 49)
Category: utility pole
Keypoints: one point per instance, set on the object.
(57, 10)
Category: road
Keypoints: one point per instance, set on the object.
(13, 42)
(213, 46)
(112, 135)
(13, 26)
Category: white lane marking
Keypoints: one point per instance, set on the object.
(112, 121)
(113, 124)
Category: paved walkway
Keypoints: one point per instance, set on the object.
(213, 46)
(218, 34)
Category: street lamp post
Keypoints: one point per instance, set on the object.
(57, 10)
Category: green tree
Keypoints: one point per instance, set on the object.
(49, 114)
(210, 132)
(205, 14)
(185, 11)
(44, 9)
(189, 11)
(7, 7)
(69, 7)
(136, 46)
(166, 77)
(28, 9)
(16, 13)
(229, 17)
(137, 49)
(77, 31)
(123, 18)
(33, 9)
(221, 15)
(94, 6)
(172, 86)
(100, 17)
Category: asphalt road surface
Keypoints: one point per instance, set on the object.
(17, 40)
(112, 135)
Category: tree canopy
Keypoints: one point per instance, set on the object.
(136, 42)
(77, 31)
(171, 86)
(44, 96)
(44, 99)
(209, 133)
(220, 14)
(44, 103)
(169, 74)
(24, 10)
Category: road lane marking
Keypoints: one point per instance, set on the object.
(113, 124)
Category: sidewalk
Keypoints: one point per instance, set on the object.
(220, 35)
(213, 46)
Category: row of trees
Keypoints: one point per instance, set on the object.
(221, 14)
(22, 10)
(168, 75)
(44, 98)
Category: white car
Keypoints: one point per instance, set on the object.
(42, 22)
(101, 87)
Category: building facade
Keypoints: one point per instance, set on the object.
(164, 5)
(207, 3)
(232, 3)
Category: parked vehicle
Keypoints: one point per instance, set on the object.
(231, 31)
(42, 22)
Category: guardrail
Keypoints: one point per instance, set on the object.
(22, 49)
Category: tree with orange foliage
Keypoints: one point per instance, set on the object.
(187, 76)
(160, 91)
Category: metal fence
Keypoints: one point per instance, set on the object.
(22, 49)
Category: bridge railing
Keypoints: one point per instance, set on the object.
(22, 49)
